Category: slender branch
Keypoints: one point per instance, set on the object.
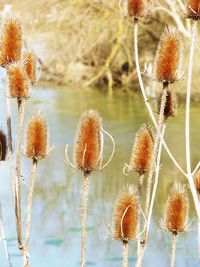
(140, 182)
(28, 217)
(125, 254)
(196, 168)
(173, 253)
(84, 206)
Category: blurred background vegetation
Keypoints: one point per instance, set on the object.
(91, 42)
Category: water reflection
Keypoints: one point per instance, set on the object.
(55, 236)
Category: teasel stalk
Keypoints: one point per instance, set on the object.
(197, 186)
(176, 215)
(126, 218)
(88, 153)
(36, 149)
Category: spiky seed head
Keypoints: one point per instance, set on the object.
(137, 8)
(142, 150)
(170, 109)
(126, 214)
(18, 82)
(87, 146)
(37, 137)
(10, 41)
(29, 60)
(176, 213)
(3, 145)
(193, 9)
(197, 181)
(168, 56)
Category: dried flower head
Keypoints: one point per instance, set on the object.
(168, 56)
(37, 137)
(18, 82)
(176, 213)
(170, 109)
(142, 150)
(87, 149)
(193, 9)
(10, 41)
(126, 214)
(136, 8)
(3, 145)
(29, 60)
(197, 181)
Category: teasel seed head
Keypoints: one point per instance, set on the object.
(193, 9)
(37, 137)
(3, 145)
(87, 149)
(176, 213)
(29, 60)
(18, 82)
(126, 214)
(10, 41)
(170, 109)
(168, 56)
(197, 181)
(142, 150)
(136, 8)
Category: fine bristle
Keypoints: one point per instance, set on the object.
(18, 82)
(142, 150)
(197, 181)
(29, 60)
(126, 214)
(136, 8)
(37, 137)
(3, 145)
(176, 212)
(10, 41)
(193, 9)
(168, 56)
(87, 147)
(170, 109)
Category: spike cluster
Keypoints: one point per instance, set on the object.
(87, 147)
(3, 146)
(37, 137)
(193, 9)
(136, 8)
(197, 181)
(29, 60)
(142, 150)
(126, 214)
(18, 82)
(170, 109)
(168, 56)
(10, 41)
(176, 212)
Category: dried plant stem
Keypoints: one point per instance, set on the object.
(187, 120)
(21, 107)
(145, 96)
(28, 216)
(199, 231)
(173, 253)
(84, 206)
(4, 239)
(140, 182)
(125, 254)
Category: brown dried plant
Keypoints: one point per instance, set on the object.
(193, 9)
(29, 59)
(170, 105)
(136, 8)
(3, 145)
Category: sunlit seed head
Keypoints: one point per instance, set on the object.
(29, 60)
(3, 145)
(193, 9)
(136, 8)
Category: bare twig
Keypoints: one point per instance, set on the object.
(125, 254)
(173, 253)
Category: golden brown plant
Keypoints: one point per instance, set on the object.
(37, 137)
(29, 60)
(126, 214)
(168, 56)
(10, 41)
(87, 150)
(142, 150)
(176, 213)
(18, 82)
(170, 105)
(137, 8)
(3, 145)
(197, 181)
(193, 9)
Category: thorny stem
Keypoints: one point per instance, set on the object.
(187, 120)
(21, 106)
(84, 206)
(173, 253)
(4, 239)
(145, 96)
(125, 254)
(28, 216)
